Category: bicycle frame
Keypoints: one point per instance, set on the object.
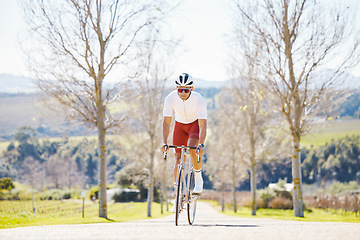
(187, 197)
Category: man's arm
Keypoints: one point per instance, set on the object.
(202, 132)
(166, 131)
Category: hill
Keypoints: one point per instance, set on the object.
(328, 132)
(19, 106)
(11, 84)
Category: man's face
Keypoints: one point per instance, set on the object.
(184, 92)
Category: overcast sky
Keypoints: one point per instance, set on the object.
(203, 24)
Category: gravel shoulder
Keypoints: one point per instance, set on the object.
(209, 224)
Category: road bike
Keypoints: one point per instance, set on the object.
(184, 189)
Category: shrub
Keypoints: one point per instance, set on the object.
(53, 194)
(6, 184)
(127, 195)
(338, 187)
(9, 196)
(276, 197)
(66, 195)
(281, 203)
(261, 203)
(266, 195)
(56, 194)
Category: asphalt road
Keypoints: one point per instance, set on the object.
(208, 225)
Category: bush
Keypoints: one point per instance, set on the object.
(266, 195)
(338, 187)
(53, 194)
(276, 197)
(66, 195)
(9, 196)
(127, 195)
(281, 203)
(261, 203)
(57, 194)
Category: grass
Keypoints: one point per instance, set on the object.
(19, 213)
(310, 215)
(326, 133)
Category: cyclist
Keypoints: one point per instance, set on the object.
(190, 124)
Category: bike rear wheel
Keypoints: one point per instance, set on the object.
(179, 196)
(191, 206)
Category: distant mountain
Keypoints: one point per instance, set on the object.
(16, 84)
(200, 83)
(19, 84)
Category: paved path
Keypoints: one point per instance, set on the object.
(208, 225)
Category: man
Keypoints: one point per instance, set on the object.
(190, 124)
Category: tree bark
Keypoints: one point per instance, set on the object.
(102, 174)
(150, 192)
(234, 186)
(253, 190)
(234, 199)
(102, 156)
(222, 197)
(161, 198)
(296, 173)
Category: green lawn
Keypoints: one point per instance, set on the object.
(312, 215)
(19, 213)
(325, 133)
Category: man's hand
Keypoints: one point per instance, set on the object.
(200, 150)
(165, 148)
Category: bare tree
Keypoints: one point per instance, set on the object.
(75, 46)
(298, 40)
(150, 89)
(252, 112)
(33, 173)
(224, 154)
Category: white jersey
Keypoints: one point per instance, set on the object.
(187, 111)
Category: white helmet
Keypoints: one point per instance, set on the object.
(185, 80)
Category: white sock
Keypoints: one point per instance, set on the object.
(198, 174)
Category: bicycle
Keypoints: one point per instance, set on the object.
(184, 194)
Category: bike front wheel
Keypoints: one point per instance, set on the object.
(179, 196)
(191, 206)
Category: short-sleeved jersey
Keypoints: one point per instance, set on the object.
(186, 111)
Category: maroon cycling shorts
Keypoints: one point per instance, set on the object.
(182, 133)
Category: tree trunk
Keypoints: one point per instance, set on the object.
(234, 199)
(102, 176)
(234, 187)
(166, 198)
(296, 173)
(253, 190)
(102, 162)
(161, 198)
(150, 192)
(222, 197)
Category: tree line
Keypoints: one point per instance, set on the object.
(73, 164)
(61, 163)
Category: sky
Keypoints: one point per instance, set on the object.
(202, 23)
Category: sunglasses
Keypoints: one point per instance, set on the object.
(186, 90)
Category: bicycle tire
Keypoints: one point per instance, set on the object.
(178, 199)
(191, 206)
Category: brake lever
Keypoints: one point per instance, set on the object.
(165, 153)
(199, 157)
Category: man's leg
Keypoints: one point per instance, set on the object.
(177, 162)
(193, 142)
